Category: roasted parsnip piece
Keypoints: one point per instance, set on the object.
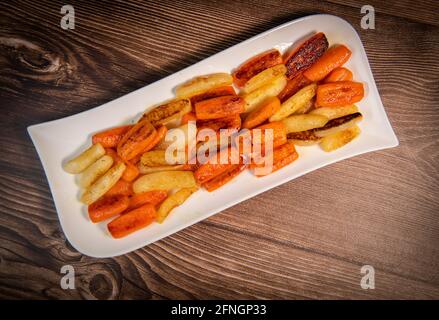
(303, 138)
(258, 97)
(339, 139)
(174, 200)
(85, 159)
(337, 112)
(303, 122)
(264, 77)
(165, 180)
(339, 124)
(203, 83)
(93, 172)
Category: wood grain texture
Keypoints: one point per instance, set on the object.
(305, 239)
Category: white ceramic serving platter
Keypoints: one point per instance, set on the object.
(59, 140)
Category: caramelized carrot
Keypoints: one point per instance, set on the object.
(306, 54)
(255, 65)
(293, 86)
(333, 58)
(107, 207)
(190, 116)
(210, 170)
(260, 115)
(136, 140)
(152, 197)
(131, 172)
(132, 221)
(341, 93)
(279, 134)
(282, 163)
(339, 74)
(121, 187)
(225, 177)
(219, 107)
(110, 138)
(231, 122)
(278, 154)
(160, 134)
(213, 93)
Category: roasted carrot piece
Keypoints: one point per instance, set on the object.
(210, 170)
(136, 140)
(333, 58)
(152, 197)
(255, 65)
(110, 138)
(282, 163)
(188, 117)
(121, 187)
(279, 134)
(341, 93)
(219, 107)
(278, 154)
(131, 172)
(260, 115)
(306, 54)
(107, 207)
(132, 221)
(231, 122)
(339, 74)
(293, 86)
(225, 177)
(160, 134)
(213, 93)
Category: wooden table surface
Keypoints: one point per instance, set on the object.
(308, 238)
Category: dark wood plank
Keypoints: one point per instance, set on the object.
(308, 238)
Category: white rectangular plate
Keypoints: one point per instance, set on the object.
(59, 140)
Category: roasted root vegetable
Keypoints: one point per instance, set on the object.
(110, 138)
(165, 180)
(306, 54)
(339, 74)
(136, 140)
(282, 156)
(168, 112)
(293, 86)
(339, 139)
(216, 165)
(304, 138)
(219, 107)
(132, 221)
(294, 103)
(333, 58)
(204, 83)
(153, 197)
(103, 184)
(303, 122)
(131, 172)
(121, 187)
(337, 112)
(93, 172)
(178, 167)
(174, 200)
(255, 65)
(107, 207)
(85, 159)
(339, 93)
(261, 114)
(339, 124)
(158, 158)
(256, 98)
(230, 122)
(264, 77)
(278, 131)
(179, 138)
(188, 117)
(224, 178)
(213, 93)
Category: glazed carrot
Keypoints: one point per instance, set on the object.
(139, 137)
(231, 122)
(213, 93)
(333, 58)
(306, 54)
(341, 93)
(107, 207)
(278, 154)
(255, 65)
(152, 197)
(121, 187)
(219, 107)
(282, 163)
(282, 156)
(225, 177)
(132, 221)
(190, 116)
(293, 86)
(279, 134)
(160, 134)
(260, 115)
(110, 138)
(209, 170)
(339, 74)
(131, 172)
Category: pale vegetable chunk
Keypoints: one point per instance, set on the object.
(203, 83)
(97, 169)
(174, 200)
(103, 184)
(257, 97)
(264, 77)
(299, 100)
(303, 122)
(85, 159)
(339, 139)
(335, 112)
(164, 180)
